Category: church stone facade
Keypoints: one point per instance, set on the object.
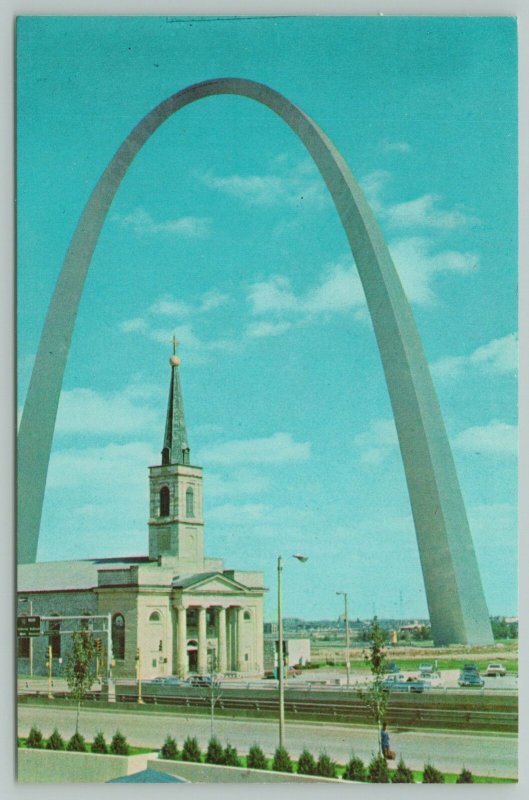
(176, 611)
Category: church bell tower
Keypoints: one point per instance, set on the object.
(176, 524)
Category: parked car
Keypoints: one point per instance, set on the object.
(203, 680)
(471, 679)
(167, 680)
(391, 667)
(471, 667)
(399, 683)
(432, 679)
(426, 668)
(495, 669)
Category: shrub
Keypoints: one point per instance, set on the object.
(256, 758)
(99, 744)
(326, 766)
(77, 743)
(215, 753)
(306, 764)
(282, 762)
(432, 775)
(355, 770)
(34, 738)
(231, 759)
(402, 774)
(119, 745)
(55, 741)
(169, 749)
(378, 772)
(191, 750)
(465, 776)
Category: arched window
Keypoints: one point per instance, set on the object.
(118, 636)
(164, 501)
(247, 616)
(155, 617)
(54, 638)
(190, 502)
(165, 457)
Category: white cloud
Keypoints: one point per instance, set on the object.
(116, 465)
(276, 449)
(425, 212)
(378, 441)
(339, 290)
(265, 517)
(493, 523)
(260, 329)
(499, 356)
(167, 306)
(240, 482)
(143, 224)
(498, 438)
(417, 266)
(293, 186)
(88, 412)
(136, 325)
(395, 147)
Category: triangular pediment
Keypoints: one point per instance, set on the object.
(211, 583)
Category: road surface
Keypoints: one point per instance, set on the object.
(483, 754)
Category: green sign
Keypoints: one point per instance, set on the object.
(28, 626)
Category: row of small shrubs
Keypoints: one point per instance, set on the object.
(355, 770)
(118, 746)
(215, 754)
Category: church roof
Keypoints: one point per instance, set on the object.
(201, 578)
(175, 446)
(48, 576)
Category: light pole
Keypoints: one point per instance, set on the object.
(280, 657)
(347, 668)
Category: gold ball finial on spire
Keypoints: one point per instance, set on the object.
(174, 360)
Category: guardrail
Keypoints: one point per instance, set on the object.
(346, 710)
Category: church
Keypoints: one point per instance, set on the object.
(175, 611)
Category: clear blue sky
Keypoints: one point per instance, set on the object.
(223, 234)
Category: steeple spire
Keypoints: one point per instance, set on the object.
(175, 447)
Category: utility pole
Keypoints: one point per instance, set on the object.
(280, 652)
(347, 665)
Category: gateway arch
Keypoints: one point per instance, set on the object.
(456, 603)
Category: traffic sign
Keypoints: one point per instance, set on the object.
(28, 626)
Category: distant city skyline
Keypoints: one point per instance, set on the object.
(222, 234)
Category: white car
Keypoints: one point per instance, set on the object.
(495, 669)
(433, 679)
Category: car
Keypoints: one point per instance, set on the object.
(426, 667)
(471, 679)
(203, 680)
(432, 679)
(471, 667)
(167, 680)
(399, 683)
(495, 669)
(392, 667)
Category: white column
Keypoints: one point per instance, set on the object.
(241, 666)
(221, 632)
(182, 642)
(202, 642)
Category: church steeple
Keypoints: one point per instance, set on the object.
(175, 446)
(176, 525)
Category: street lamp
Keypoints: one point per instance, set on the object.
(280, 658)
(347, 668)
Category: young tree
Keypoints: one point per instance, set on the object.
(375, 696)
(256, 758)
(79, 668)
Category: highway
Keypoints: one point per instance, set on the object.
(492, 755)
